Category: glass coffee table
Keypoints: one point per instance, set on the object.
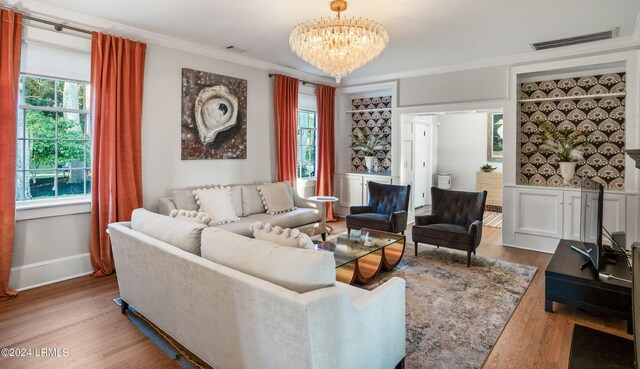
(362, 255)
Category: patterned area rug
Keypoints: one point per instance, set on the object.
(455, 314)
(492, 219)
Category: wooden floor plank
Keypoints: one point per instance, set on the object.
(80, 315)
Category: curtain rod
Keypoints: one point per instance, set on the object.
(57, 26)
(303, 82)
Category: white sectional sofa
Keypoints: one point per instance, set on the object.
(309, 217)
(247, 303)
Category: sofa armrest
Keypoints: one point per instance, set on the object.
(165, 205)
(361, 209)
(399, 221)
(301, 202)
(426, 219)
(476, 230)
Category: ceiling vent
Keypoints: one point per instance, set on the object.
(235, 49)
(606, 35)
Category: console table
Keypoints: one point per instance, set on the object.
(567, 284)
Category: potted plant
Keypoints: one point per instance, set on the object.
(567, 143)
(488, 168)
(370, 144)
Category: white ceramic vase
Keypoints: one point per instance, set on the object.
(567, 171)
(368, 160)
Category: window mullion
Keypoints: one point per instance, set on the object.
(55, 150)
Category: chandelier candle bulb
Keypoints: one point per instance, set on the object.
(338, 46)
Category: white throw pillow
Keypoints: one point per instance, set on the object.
(276, 198)
(191, 216)
(180, 233)
(281, 236)
(217, 203)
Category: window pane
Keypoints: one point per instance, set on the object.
(41, 154)
(41, 183)
(303, 119)
(88, 181)
(20, 186)
(71, 154)
(312, 120)
(70, 95)
(71, 126)
(39, 91)
(41, 124)
(20, 155)
(70, 182)
(21, 128)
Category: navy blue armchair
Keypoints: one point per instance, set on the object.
(386, 211)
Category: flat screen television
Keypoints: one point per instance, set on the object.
(591, 208)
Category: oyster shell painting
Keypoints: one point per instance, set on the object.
(214, 116)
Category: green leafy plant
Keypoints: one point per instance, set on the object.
(567, 143)
(488, 168)
(369, 144)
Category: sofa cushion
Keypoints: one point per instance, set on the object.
(217, 203)
(251, 200)
(240, 227)
(290, 219)
(183, 199)
(281, 236)
(236, 199)
(276, 198)
(296, 269)
(180, 233)
(191, 216)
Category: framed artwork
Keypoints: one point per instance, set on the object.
(214, 116)
(495, 136)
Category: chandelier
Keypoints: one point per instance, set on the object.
(338, 46)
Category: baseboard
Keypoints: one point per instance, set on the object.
(34, 275)
(529, 249)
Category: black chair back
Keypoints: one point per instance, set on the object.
(386, 198)
(457, 207)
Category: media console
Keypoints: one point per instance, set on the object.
(567, 284)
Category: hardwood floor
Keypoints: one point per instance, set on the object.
(80, 316)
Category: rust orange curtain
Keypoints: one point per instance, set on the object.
(286, 112)
(326, 144)
(117, 78)
(10, 45)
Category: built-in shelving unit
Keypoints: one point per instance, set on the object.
(598, 96)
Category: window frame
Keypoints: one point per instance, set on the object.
(23, 108)
(315, 145)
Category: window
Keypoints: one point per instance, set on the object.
(54, 139)
(307, 133)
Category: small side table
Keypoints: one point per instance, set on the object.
(325, 199)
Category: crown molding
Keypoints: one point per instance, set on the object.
(73, 18)
(616, 45)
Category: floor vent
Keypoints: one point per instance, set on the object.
(612, 33)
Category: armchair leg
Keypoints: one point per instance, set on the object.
(468, 259)
(402, 233)
(324, 236)
(415, 248)
(124, 307)
(474, 252)
(348, 232)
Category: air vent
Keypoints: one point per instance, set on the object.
(575, 40)
(235, 49)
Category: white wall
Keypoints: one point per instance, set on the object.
(462, 148)
(469, 85)
(162, 168)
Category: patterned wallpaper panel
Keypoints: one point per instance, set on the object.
(603, 118)
(375, 122)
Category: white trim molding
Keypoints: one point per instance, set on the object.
(34, 275)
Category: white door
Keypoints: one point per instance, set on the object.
(407, 159)
(422, 168)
